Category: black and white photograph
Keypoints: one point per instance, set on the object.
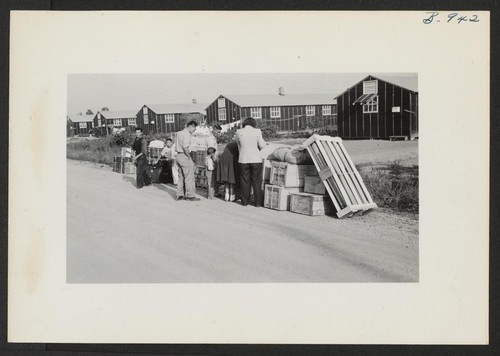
(248, 177)
(241, 178)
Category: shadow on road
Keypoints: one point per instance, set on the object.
(129, 179)
(171, 190)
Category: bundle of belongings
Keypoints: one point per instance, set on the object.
(315, 178)
(286, 170)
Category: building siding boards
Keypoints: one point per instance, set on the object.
(288, 121)
(354, 123)
(73, 125)
(160, 124)
(232, 110)
(77, 130)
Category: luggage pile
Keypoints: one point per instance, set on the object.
(317, 178)
(287, 191)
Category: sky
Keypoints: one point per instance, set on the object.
(132, 91)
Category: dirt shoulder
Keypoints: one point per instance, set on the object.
(120, 234)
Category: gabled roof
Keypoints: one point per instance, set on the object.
(81, 118)
(408, 82)
(177, 108)
(122, 114)
(282, 100)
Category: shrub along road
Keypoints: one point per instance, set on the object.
(119, 234)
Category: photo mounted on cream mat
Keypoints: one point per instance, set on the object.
(220, 179)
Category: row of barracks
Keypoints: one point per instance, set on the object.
(373, 108)
(286, 112)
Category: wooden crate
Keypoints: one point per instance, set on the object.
(311, 204)
(199, 158)
(339, 175)
(290, 175)
(128, 168)
(266, 172)
(117, 164)
(314, 184)
(126, 152)
(278, 198)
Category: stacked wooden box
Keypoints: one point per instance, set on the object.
(127, 167)
(123, 164)
(313, 201)
(339, 176)
(117, 164)
(290, 175)
(285, 179)
(266, 172)
(278, 198)
(126, 152)
(199, 158)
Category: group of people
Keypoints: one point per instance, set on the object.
(239, 167)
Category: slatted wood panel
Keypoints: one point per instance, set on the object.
(339, 175)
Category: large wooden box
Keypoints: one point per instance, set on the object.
(199, 158)
(278, 198)
(290, 175)
(266, 172)
(314, 184)
(117, 164)
(311, 204)
(126, 152)
(128, 168)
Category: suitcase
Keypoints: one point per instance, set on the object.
(155, 173)
(166, 172)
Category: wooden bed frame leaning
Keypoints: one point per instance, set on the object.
(339, 175)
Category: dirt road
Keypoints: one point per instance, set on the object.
(119, 234)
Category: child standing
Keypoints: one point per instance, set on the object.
(210, 170)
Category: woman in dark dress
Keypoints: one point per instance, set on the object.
(228, 171)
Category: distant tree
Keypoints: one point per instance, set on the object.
(80, 113)
(89, 112)
(105, 108)
(185, 118)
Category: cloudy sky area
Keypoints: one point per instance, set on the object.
(131, 91)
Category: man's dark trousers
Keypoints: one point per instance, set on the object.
(142, 175)
(251, 176)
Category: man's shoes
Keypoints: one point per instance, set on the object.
(192, 199)
(179, 198)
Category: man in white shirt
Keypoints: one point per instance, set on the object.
(250, 142)
(185, 184)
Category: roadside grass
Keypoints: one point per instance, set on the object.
(393, 186)
(100, 150)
